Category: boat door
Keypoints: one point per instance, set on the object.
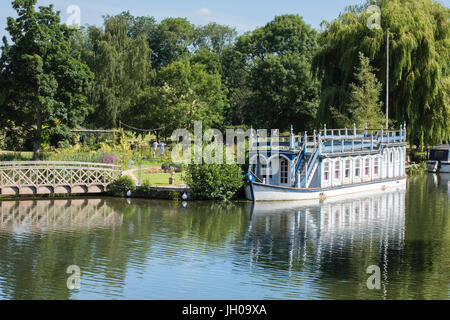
(284, 171)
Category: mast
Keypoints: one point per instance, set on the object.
(387, 79)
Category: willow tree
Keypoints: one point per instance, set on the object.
(419, 63)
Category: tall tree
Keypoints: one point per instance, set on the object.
(46, 79)
(214, 37)
(275, 83)
(188, 93)
(123, 73)
(170, 41)
(364, 102)
(419, 63)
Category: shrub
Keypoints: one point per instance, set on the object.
(214, 181)
(416, 169)
(121, 186)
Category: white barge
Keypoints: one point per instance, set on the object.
(329, 163)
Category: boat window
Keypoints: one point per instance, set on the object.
(347, 168)
(326, 171)
(439, 155)
(337, 169)
(376, 165)
(270, 169)
(283, 171)
(263, 168)
(366, 166)
(358, 168)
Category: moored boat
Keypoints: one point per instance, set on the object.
(439, 159)
(329, 163)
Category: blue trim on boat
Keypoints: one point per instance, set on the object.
(252, 191)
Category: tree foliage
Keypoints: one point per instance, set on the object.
(274, 86)
(166, 75)
(43, 79)
(364, 107)
(120, 58)
(188, 93)
(419, 63)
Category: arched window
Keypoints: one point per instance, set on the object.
(326, 171)
(347, 168)
(376, 165)
(283, 171)
(337, 169)
(366, 166)
(358, 168)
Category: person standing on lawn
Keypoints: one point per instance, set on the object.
(161, 148)
(155, 148)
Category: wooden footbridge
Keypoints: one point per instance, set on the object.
(37, 177)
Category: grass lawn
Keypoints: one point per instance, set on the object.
(161, 178)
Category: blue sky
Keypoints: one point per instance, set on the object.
(245, 15)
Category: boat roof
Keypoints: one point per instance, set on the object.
(441, 147)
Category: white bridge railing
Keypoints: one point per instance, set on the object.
(51, 175)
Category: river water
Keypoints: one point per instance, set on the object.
(147, 249)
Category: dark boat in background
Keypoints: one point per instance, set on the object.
(439, 160)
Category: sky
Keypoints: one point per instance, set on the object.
(244, 15)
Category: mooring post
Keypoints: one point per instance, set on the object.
(291, 138)
(251, 138)
(306, 140)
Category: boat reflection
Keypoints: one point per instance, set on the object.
(328, 231)
(56, 215)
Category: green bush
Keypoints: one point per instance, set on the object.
(416, 169)
(214, 181)
(121, 186)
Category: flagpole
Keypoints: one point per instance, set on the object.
(387, 79)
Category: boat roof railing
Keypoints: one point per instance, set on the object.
(331, 140)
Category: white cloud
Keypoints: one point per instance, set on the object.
(203, 13)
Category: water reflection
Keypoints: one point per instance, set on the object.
(56, 215)
(145, 249)
(319, 238)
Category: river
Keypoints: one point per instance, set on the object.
(148, 249)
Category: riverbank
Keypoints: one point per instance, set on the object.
(154, 192)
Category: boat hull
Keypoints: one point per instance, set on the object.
(438, 166)
(262, 192)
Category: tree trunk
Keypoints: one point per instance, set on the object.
(37, 136)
